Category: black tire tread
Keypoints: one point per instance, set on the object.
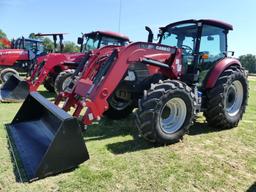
(148, 108)
(60, 79)
(215, 112)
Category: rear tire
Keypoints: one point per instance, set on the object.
(227, 100)
(62, 80)
(118, 108)
(6, 73)
(166, 112)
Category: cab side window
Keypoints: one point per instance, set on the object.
(213, 43)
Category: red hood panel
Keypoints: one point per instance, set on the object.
(70, 57)
(9, 57)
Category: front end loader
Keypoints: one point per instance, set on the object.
(169, 82)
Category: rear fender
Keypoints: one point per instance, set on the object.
(220, 66)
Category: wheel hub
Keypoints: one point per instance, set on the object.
(234, 98)
(66, 83)
(173, 115)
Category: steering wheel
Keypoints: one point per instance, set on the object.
(187, 50)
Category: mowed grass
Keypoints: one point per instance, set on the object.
(206, 159)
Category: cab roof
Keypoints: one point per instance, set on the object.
(111, 34)
(28, 39)
(49, 34)
(203, 21)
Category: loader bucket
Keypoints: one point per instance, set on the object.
(14, 90)
(45, 139)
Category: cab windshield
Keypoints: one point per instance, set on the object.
(17, 44)
(112, 41)
(92, 42)
(181, 36)
(34, 46)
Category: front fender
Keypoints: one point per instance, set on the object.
(220, 66)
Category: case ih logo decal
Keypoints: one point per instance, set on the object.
(12, 52)
(157, 47)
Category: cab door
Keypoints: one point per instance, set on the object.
(213, 48)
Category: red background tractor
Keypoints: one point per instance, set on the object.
(22, 55)
(55, 69)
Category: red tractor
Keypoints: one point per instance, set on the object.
(54, 69)
(185, 73)
(23, 53)
(88, 42)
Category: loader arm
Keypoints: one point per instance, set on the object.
(46, 65)
(17, 89)
(43, 70)
(89, 68)
(92, 90)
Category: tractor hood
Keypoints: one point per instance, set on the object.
(70, 57)
(74, 57)
(9, 57)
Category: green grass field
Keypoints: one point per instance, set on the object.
(206, 160)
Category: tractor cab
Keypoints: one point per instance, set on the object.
(203, 44)
(35, 46)
(98, 39)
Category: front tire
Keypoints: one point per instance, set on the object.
(166, 112)
(6, 73)
(227, 100)
(63, 80)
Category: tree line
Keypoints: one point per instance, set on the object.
(248, 60)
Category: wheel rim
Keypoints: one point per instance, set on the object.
(173, 115)
(119, 104)
(66, 82)
(7, 75)
(234, 98)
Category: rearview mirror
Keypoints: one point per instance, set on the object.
(80, 40)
